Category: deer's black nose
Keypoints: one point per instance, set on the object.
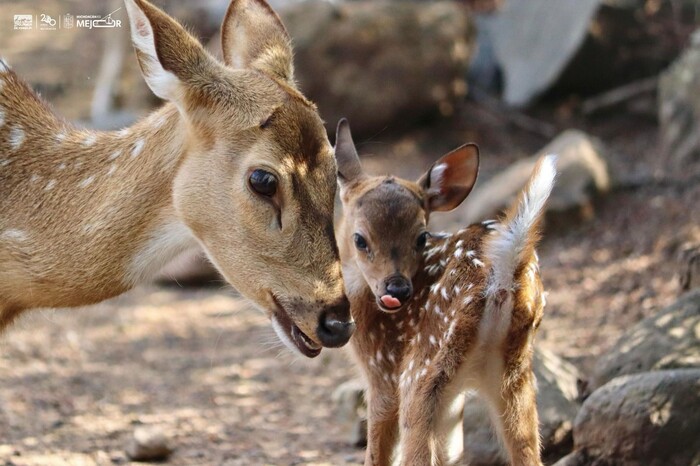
(399, 287)
(335, 327)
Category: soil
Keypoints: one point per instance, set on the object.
(205, 366)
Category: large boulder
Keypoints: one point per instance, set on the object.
(382, 65)
(667, 340)
(649, 419)
(556, 406)
(582, 173)
(679, 106)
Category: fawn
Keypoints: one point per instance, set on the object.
(439, 314)
(237, 161)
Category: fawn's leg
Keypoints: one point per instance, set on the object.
(382, 427)
(515, 414)
(449, 430)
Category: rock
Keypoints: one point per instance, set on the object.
(381, 65)
(669, 339)
(349, 399)
(582, 173)
(556, 405)
(534, 40)
(148, 444)
(649, 419)
(690, 267)
(679, 106)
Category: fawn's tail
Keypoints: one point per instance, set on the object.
(517, 234)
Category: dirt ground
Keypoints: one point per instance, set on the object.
(206, 367)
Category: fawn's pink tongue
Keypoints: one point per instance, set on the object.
(390, 301)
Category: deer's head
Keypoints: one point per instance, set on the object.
(257, 182)
(385, 219)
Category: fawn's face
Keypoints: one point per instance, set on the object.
(257, 184)
(385, 219)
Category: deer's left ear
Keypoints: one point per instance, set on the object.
(450, 180)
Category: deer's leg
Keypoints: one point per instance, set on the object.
(449, 429)
(382, 427)
(515, 414)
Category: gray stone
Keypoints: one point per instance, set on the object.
(679, 107)
(582, 173)
(148, 444)
(649, 419)
(669, 339)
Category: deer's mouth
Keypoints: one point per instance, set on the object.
(291, 335)
(389, 309)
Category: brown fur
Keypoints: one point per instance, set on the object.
(420, 360)
(86, 215)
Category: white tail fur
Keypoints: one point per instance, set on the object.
(509, 244)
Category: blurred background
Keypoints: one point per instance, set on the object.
(185, 371)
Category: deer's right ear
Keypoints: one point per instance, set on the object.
(349, 167)
(167, 54)
(253, 36)
(450, 180)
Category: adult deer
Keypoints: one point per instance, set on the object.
(438, 315)
(237, 161)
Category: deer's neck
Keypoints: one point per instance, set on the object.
(89, 207)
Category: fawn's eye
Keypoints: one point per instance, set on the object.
(263, 182)
(422, 239)
(360, 242)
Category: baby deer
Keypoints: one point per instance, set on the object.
(437, 315)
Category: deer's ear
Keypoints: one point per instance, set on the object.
(450, 180)
(253, 36)
(167, 54)
(349, 167)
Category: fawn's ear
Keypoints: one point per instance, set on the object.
(349, 167)
(450, 180)
(167, 54)
(253, 36)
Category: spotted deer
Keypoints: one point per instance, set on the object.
(438, 315)
(237, 161)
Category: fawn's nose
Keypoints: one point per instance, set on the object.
(399, 287)
(335, 327)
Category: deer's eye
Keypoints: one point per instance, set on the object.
(422, 239)
(263, 182)
(360, 242)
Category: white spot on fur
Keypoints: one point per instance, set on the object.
(477, 262)
(166, 243)
(2, 114)
(60, 137)
(115, 154)
(49, 186)
(90, 140)
(4, 162)
(4, 66)
(62, 166)
(458, 253)
(467, 300)
(443, 292)
(138, 147)
(112, 169)
(86, 182)
(432, 340)
(15, 235)
(16, 138)
(124, 132)
(34, 178)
